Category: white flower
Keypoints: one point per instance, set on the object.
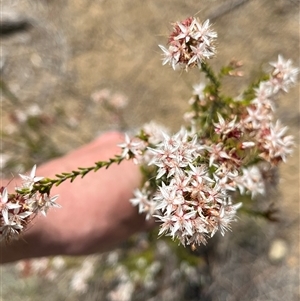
(180, 182)
(182, 221)
(29, 181)
(167, 224)
(5, 205)
(170, 56)
(277, 145)
(18, 217)
(216, 194)
(42, 203)
(226, 216)
(284, 74)
(198, 90)
(48, 202)
(200, 53)
(257, 118)
(251, 181)
(145, 205)
(190, 44)
(155, 132)
(186, 31)
(132, 148)
(204, 31)
(263, 94)
(9, 230)
(225, 178)
(225, 127)
(174, 153)
(217, 153)
(168, 199)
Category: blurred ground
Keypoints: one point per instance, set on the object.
(67, 50)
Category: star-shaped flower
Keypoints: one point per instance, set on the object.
(5, 205)
(29, 181)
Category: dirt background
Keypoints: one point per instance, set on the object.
(64, 51)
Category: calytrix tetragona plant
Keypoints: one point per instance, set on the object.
(194, 179)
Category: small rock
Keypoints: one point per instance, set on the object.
(278, 250)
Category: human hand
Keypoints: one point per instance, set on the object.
(96, 214)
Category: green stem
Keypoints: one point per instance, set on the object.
(46, 184)
(216, 102)
(211, 76)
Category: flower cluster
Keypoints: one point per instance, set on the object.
(17, 210)
(189, 193)
(258, 122)
(190, 43)
(229, 147)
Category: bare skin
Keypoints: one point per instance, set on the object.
(96, 215)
